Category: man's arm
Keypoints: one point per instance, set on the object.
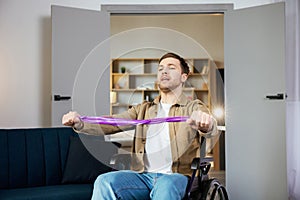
(73, 120)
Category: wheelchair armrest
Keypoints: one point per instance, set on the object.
(120, 161)
(202, 164)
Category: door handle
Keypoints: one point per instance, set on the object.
(279, 96)
(57, 97)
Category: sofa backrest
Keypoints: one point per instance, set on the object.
(33, 157)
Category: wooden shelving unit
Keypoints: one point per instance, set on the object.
(137, 83)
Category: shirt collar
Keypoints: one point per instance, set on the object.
(182, 100)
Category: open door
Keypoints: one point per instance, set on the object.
(255, 103)
(80, 62)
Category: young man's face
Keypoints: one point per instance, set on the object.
(170, 74)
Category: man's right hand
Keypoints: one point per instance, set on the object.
(72, 119)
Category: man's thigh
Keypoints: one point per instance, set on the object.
(125, 184)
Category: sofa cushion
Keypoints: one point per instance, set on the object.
(33, 157)
(83, 166)
(61, 192)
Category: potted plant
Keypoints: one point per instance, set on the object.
(123, 69)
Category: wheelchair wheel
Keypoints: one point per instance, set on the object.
(213, 190)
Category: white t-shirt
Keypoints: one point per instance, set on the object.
(158, 149)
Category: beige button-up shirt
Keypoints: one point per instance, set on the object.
(185, 141)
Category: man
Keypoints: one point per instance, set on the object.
(161, 153)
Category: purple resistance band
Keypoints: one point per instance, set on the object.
(124, 122)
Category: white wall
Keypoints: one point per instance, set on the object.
(25, 55)
(205, 29)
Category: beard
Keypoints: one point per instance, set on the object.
(166, 89)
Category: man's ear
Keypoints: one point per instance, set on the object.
(184, 77)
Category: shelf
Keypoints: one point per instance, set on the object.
(138, 83)
(119, 105)
(132, 74)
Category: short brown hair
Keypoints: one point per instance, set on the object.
(184, 66)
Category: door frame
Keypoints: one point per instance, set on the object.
(166, 8)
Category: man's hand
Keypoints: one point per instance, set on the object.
(200, 121)
(72, 119)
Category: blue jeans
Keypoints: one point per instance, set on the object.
(128, 185)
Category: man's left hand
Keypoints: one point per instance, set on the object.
(200, 121)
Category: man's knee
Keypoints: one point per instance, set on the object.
(170, 187)
(103, 187)
(106, 178)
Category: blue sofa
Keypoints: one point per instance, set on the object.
(50, 163)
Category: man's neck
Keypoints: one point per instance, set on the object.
(171, 97)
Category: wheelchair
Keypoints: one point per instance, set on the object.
(200, 185)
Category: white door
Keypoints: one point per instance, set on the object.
(255, 124)
(80, 62)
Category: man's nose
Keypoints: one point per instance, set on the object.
(165, 70)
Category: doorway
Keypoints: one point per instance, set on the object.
(206, 29)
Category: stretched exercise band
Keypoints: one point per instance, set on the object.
(125, 122)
